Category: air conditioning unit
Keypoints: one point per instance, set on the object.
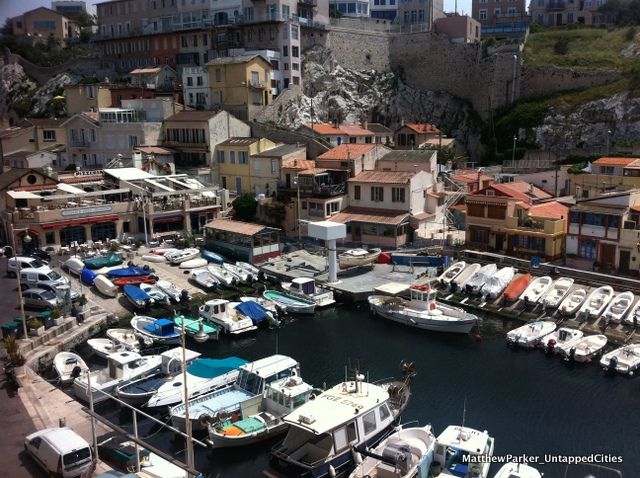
(629, 224)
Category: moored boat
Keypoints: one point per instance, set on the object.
(256, 312)
(69, 366)
(561, 340)
(127, 338)
(290, 303)
(498, 282)
(597, 301)
(103, 347)
(460, 281)
(220, 313)
(633, 317)
(212, 257)
(618, 307)
(156, 294)
(517, 470)
(572, 303)
(480, 278)
(463, 452)
(307, 288)
(98, 262)
(625, 360)
(358, 257)
(196, 325)
(447, 276)
(529, 335)
(130, 271)
(160, 331)
(557, 292)
(516, 287)
(535, 290)
(204, 278)
(193, 263)
(173, 291)
(182, 255)
(105, 286)
(134, 280)
(136, 296)
(586, 348)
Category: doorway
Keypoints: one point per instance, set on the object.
(625, 260)
(356, 235)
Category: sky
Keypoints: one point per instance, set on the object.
(12, 8)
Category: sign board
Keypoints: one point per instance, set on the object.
(84, 211)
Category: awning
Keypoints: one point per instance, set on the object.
(68, 188)
(23, 195)
(87, 220)
(160, 220)
(372, 216)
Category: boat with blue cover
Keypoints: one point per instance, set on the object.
(87, 276)
(161, 331)
(203, 376)
(245, 392)
(130, 271)
(103, 261)
(290, 303)
(257, 313)
(213, 257)
(138, 298)
(193, 325)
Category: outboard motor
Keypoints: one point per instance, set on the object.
(261, 276)
(551, 343)
(453, 286)
(572, 353)
(612, 364)
(76, 371)
(398, 452)
(184, 295)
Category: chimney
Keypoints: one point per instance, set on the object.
(365, 124)
(136, 158)
(578, 192)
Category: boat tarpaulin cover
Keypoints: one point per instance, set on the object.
(253, 310)
(210, 368)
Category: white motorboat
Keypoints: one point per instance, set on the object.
(193, 263)
(280, 398)
(462, 452)
(271, 306)
(158, 296)
(586, 348)
(182, 255)
(69, 366)
(517, 470)
(163, 251)
(293, 304)
(154, 258)
(240, 274)
(307, 288)
(624, 360)
(633, 317)
(452, 271)
(529, 335)
(358, 257)
(122, 368)
(480, 278)
(127, 338)
(104, 347)
(225, 277)
(105, 286)
(572, 303)
(597, 301)
(557, 293)
(406, 453)
(460, 281)
(221, 313)
(498, 282)
(203, 376)
(74, 265)
(536, 289)
(160, 331)
(561, 340)
(173, 291)
(423, 311)
(204, 278)
(249, 269)
(618, 307)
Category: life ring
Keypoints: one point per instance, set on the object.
(432, 306)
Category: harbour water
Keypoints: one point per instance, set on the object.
(532, 404)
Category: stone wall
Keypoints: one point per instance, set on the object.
(539, 81)
(41, 74)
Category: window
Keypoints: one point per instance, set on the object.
(587, 249)
(294, 32)
(239, 184)
(93, 135)
(199, 81)
(232, 157)
(613, 221)
(220, 156)
(344, 436)
(218, 75)
(242, 157)
(285, 51)
(205, 40)
(541, 3)
(397, 194)
(295, 66)
(256, 96)
(593, 219)
(183, 42)
(369, 422)
(356, 193)
(496, 12)
(295, 51)
(353, 140)
(483, 14)
(133, 141)
(257, 166)
(286, 11)
(189, 81)
(49, 135)
(377, 193)
(479, 235)
(91, 91)
(274, 166)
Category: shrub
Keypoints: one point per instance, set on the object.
(34, 324)
(535, 28)
(55, 314)
(630, 34)
(82, 301)
(561, 46)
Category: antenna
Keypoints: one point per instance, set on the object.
(464, 412)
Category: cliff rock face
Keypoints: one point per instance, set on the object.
(597, 125)
(352, 96)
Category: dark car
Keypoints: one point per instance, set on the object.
(40, 254)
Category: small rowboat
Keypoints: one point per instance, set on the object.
(156, 294)
(133, 281)
(570, 305)
(358, 257)
(138, 298)
(182, 255)
(618, 307)
(126, 337)
(69, 366)
(105, 286)
(586, 348)
(153, 258)
(161, 331)
(450, 274)
(174, 293)
(104, 347)
(290, 303)
(103, 261)
(193, 263)
(516, 287)
(130, 271)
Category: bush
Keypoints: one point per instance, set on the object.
(630, 34)
(561, 46)
(55, 314)
(34, 324)
(82, 301)
(535, 28)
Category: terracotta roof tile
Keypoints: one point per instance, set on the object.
(634, 165)
(384, 177)
(373, 216)
(324, 129)
(298, 164)
(551, 210)
(355, 130)
(238, 227)
(423, 128)
(347, 151)
(45, 122)
(529, 189)
(607, 161)
(470, 176)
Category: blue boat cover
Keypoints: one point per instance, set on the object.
(87, 276)
(162, 327)
(131, 271)
(408, 259)
(135, 292)
(253, 310)
(210, 368)
(212, 257)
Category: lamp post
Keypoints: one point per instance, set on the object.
(298, 222)
(513, 80)
(513, 151)
(608, 141)
(27, 240)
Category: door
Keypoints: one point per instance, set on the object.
(625, 259)
(608, 254)
(499, 242)
(239, 185)
(559, 19)
(356, 235)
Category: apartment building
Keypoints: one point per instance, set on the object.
(196, 88)
(351, 8)
(267, 166)
(337, 135)
(234, 166)
(566, 12)
(459, 28)
(419, 12)
(414, 135)
(493, 13)
(161, 78)
(608, 174)
(34, 143)
(354, 158)
(40, 24)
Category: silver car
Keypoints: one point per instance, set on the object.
(40, 299)
(53, 285)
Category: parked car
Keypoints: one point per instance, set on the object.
(24, 263)
(30, 277)
(59, 451)
(40, 254)
(52, 285)
(40, 299)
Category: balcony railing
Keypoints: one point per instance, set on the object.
(257, 84)
(528, 223)
(556, 6)
(184, 144)
(80, 143)
(323, 190)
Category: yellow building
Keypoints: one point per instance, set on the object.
(234, 168)
(40, 24)
(81, 98)
(266, 166)
(240, 84)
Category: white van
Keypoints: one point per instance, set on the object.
(30, 277)
(25, 263)
(60, 451)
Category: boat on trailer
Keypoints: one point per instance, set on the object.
(358, 257)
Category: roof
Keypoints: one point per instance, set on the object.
(470, 176)
(13, 132)
(231, 60)
(298, 164)
(237, 227)
(11, 176)
(312, 171)
(270, 365)
(409, 155)
(421, 128)
(128, 174)
(608, 161)
(373, 216)
(152, 150)
(45, 122)
(378, 128)
(142, 71)
(550, 210)
(279, 151)
(634, 165)
(383, 177)
(354, 130)
(192, 116)
(324, 129)
(528, 189)
(463, 438)
(347, 151)
(236, 141)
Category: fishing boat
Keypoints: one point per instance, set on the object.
(406, 453)
(156, 294)
(497, 282)
(307, 288)
(358, 257)
(245, 392)
(182, 255)
(120, 452)
(460, 281)
(74, 265)
(136, 296)
(161, 331)
(463, 452)
(225, 277)
(193, 263)
(517, 470)
(572, 303)
(556, 293)
(99, 262)
(633, 317)
(596, 302)
(130, 271)
(134, 280)
(536, 289)
(203, 376)
(529, 335)
(254, 311)
(323, 431)
(212, 257)
(239, 274)
(623, 360)
(139, 391)
(122, 368)
(154, 258)
(127, 338)
(480, 278)
(68, 366)
(586, 348)
(272, 307)
(447, 276)
(561, 340)
(103, 347)
(196, 325)
(516, 287)
(292, 304)
(205, 279)
(423, 311)
(264, 419)
(618, 307)
(220, 313)
(105, 286)
(249, 269)
(87, 277)
(174, 292)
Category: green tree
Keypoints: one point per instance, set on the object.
(245, 207)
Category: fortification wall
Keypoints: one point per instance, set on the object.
(540, 81)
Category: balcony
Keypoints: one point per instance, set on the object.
(69, 210)
(181, 144)
(257, 84)
(308, 3)
(556, 6)
(80, 143)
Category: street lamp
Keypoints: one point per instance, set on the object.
(513, 81)
(513, 151)
(27, 240)
(608, 141)
(296, 179)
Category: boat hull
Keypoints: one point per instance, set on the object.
(219, 441)
(290, 303)
(460, 327)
